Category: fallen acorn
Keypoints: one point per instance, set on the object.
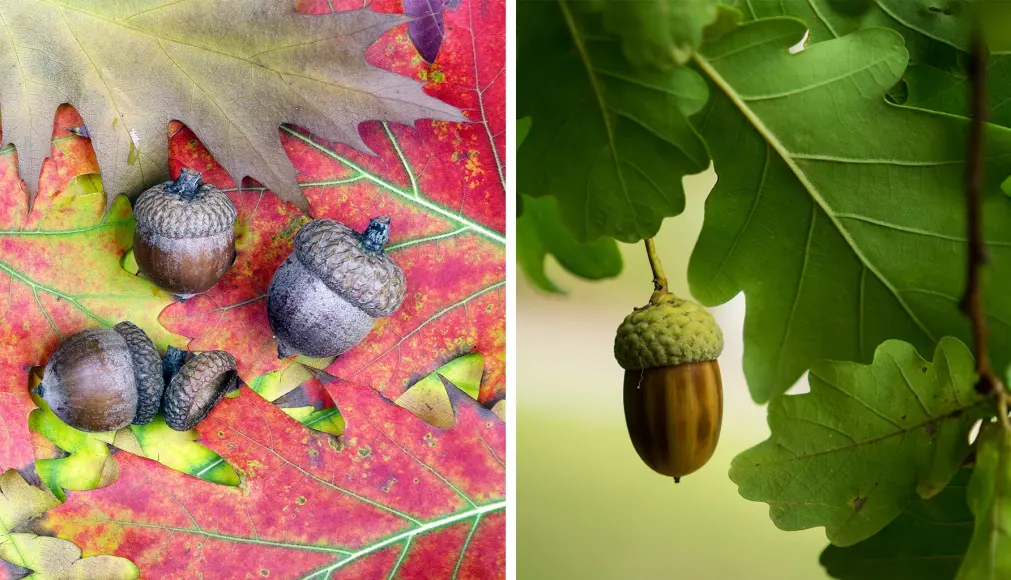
(673, 392)
(184, 241)
(327, 295)
(93, 378)
(103, 379)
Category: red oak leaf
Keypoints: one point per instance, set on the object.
(455, 266)
(395, 494)
(15, 404)
(60, 271)
(458, 166)
(442, 184)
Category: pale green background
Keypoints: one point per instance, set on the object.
(588, 508)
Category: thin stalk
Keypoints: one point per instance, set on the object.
(659, 279)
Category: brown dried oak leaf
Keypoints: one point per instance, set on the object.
(232, 71)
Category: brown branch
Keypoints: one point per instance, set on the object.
(975, 175)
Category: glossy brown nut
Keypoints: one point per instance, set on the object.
(89, 381)
(185, 239)
(673, 415)
(184, 266)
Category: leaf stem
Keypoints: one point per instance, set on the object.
(978, 257)
(659, 279)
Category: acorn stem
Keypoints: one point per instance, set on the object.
(174, 360)
(377, 235)
(187, 184)
(659, 279)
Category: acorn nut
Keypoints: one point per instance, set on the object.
(328, 294)
(93, 378)
(198, 386)
(673, 392)
(184, 241)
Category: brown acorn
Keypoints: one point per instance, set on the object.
(673, 393)
(198, 386)
(328, 294)
(93, 378)
(184, 241)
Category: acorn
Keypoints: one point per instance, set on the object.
(673, 393)
(198, 386)
(328, 294)
(184, 241)
(94, 379)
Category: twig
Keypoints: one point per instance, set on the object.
(659, 279)
(975, 173)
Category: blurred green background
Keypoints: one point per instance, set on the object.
(587, 506)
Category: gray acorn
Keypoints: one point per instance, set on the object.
(328, 294)
(184, 241)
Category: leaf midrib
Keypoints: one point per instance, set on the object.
(414, 530)
(771, 139)
(485, 232)
(954, 413)
(142, 32)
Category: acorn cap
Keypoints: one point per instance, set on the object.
(666, 332)
(146, 371)
(184, 208)
(354, 265)
(197, 387)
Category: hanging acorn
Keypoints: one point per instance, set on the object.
(673, 392)
(328, 294)
(184, 241)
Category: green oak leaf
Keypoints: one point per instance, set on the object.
(947, 89)
(996, 23)
(851, 454)
(926, 542)
(834, 208)
(928, 35)
(612, 141)
(539, 232)
(522, 130)
(938, 75)
(660, 33)
(989, 553)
